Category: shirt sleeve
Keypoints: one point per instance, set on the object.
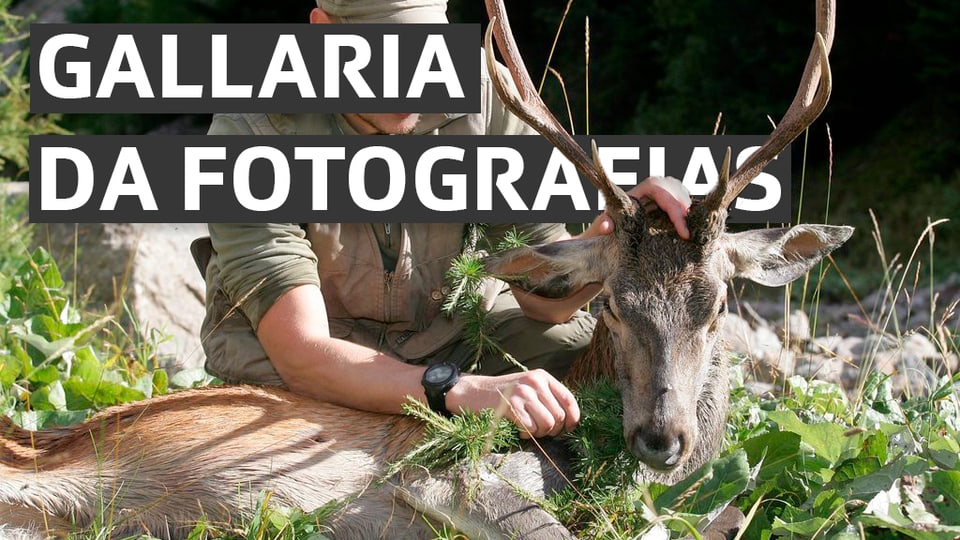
(258, 261)
(261, 261)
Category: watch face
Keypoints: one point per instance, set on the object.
(438, 373)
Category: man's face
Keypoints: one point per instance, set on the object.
(383, 123)
(372, 123)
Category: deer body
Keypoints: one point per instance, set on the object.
(160, 464)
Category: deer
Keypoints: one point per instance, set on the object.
(157, 465)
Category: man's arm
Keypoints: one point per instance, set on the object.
(293, 333)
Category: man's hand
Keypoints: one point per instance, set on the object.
(539, 404)
(666, 192)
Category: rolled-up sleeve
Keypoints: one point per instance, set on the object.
(261, 261)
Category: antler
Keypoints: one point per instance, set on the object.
(529, 107)
(811, 98)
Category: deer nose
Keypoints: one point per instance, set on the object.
(661, 450)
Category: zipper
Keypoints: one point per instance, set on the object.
(387, 301)
(386, 232)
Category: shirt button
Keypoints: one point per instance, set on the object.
(436, 295)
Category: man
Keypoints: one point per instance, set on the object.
(350, 313)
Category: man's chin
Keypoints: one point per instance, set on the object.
(403, 124)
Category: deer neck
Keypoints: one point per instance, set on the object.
(596, 363)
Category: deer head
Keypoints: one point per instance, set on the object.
(666, 296)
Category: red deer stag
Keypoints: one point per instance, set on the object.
(160, 464)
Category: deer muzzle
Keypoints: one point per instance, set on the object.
(664, 440)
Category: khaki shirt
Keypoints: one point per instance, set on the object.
(384, 296)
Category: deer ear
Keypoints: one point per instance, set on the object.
(776, 257)
(557, 269)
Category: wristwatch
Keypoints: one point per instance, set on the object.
(437, 380)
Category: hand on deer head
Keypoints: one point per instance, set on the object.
(664, 192)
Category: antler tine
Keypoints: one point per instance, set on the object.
(811, 99)
(529, 107)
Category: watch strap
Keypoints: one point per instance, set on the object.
(436, 393)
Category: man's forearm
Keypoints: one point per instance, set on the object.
(294, 334)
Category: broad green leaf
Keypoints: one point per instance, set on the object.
(86, 365)
(144, 385)
(160, 383)
(11, 368)
(868, 486)
(853, 468)
(49, 398)
(844, 535)
(945, 452)
(875, 444)
(49, 349)
(93, 393)
(776, 450)
(44, 375)
(827, 502)
(826, 439)
(943, 495)
(801, 529)
(710, 486)
(5, 283)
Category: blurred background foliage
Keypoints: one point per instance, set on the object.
(888, 139)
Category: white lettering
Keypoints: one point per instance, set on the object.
(49, 156)
(351, 68)
(550, 188)
(456, 182)
(765, 180)
(356, 178)
(170, 86)
(391, 66)
(128, 160)
(113, 74)
(281, 178)
(610, 154)
(485, 158)
(701, 159)
(220, 87)
(435, 47)
(320, 159)
(81, 70)
(193, 178)
(287, 48)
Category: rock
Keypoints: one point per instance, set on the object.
(767, 346)
(822, 367)
(798, 326)
(825, 344)
(737, 335)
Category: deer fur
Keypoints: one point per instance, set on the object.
(159, 465)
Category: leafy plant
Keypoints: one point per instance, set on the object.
(52, 367)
